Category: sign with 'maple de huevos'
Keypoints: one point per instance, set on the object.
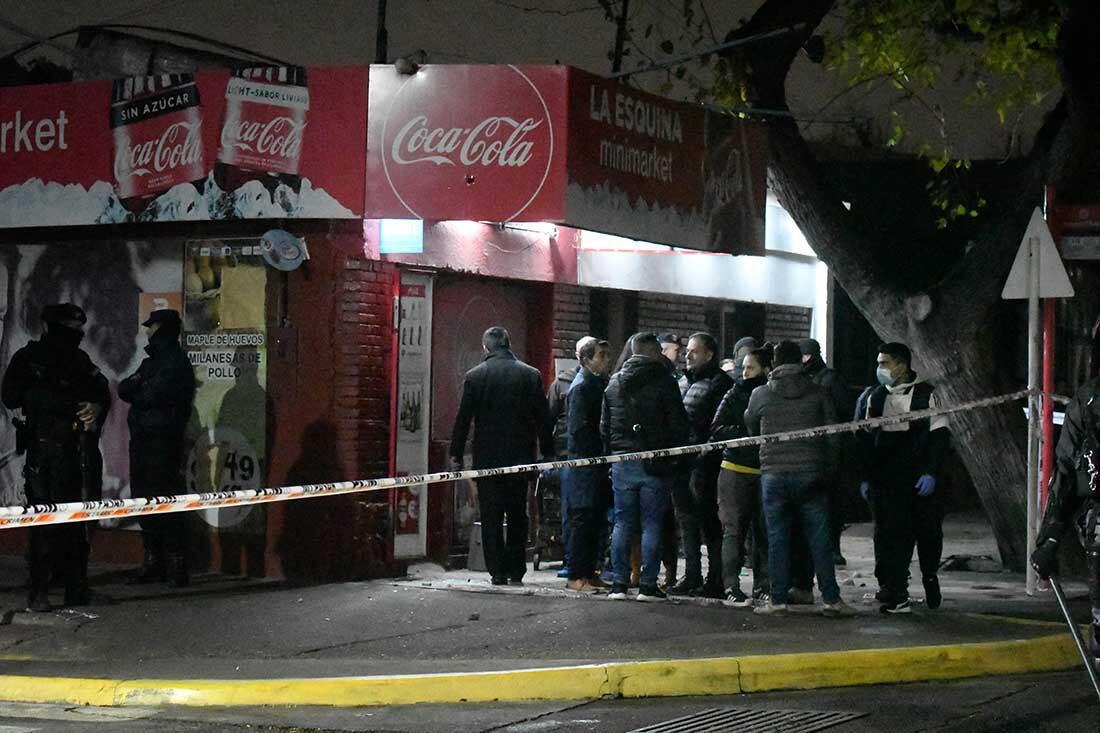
(552, 143)
(260, 142)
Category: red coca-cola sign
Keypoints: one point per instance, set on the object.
(265, 119)
(460, 142)
(157, 124)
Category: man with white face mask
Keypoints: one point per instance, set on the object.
(900, 466)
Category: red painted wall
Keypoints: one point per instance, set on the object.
(331, 412)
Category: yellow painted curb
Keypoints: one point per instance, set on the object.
(569, 683)
(75, 691)
(911, 664)
(662, 678)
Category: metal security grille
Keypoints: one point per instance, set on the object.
(752, 720)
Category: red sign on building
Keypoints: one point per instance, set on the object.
(658, 170)
(261, 143)
(467, 142)
(507, 143)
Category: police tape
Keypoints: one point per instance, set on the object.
(35, 515)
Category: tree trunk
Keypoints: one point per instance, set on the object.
(946, 324)
(949, 339)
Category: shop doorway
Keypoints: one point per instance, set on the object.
(463, 307)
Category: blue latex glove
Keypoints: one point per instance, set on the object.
(865, 490)
(926, 484)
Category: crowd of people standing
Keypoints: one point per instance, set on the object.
(774, 507)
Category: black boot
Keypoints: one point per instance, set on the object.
(178, 576)
(151, 571)
(932, 596)
(79, 593)
(38, 599)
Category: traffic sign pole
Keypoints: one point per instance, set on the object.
(1035, 345)
(1037, 272)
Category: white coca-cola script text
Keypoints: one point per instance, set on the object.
(500, 141)
(280, 137)
(179, 145)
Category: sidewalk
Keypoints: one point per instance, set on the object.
(227, 641)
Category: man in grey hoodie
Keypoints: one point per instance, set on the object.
(792, 472)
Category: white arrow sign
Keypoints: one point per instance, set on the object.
(1053, 280)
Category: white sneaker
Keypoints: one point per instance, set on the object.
(617, 595)
(771, 609)
(652, 595)
(838, 609)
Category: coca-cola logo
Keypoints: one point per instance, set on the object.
(280, 137)
(179, 145)
(448, 132)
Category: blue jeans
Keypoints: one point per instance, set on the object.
(791, 495)
(641, 501)
(563, 481)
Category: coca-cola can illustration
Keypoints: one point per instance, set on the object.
(157, 126)
(265, 121)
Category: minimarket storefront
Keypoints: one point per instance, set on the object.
(337, 239)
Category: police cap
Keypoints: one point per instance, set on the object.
(163, 315)
(65, 314)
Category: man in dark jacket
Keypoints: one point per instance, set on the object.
(555, 401)
(697, 502)
(739, 506)
(642, 410)
(791, 474)
(815, 366)
(586, 486)
(504, 398)
(900, 464)
(64, 399)
(1075, 486)
(161, 393)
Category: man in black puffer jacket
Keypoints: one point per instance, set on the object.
(642, 410)
(160, 394)
(697, 502)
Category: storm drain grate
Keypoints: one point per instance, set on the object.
(753, 720)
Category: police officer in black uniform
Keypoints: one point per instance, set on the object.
(160, 393)
(64, 399)
(1075, 492)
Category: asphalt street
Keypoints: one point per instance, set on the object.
(1061, 702)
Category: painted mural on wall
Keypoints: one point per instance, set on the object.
(112, 282)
